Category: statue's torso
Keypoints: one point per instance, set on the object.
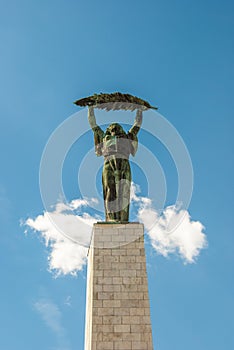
(119, 146)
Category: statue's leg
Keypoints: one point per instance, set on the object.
(109, 192)
(124, 213)
(125, 187)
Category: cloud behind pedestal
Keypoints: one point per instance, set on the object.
(170, 232)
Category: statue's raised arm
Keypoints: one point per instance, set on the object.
(137, 123)
(132, 134)
(98, 132)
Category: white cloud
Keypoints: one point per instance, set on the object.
(172, 231)
(66, 234)
(52, 317)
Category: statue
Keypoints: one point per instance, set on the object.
(115, 145)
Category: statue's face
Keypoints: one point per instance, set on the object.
(114, 130)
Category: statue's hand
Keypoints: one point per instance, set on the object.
(141, 108)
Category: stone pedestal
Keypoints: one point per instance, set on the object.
(117, 304)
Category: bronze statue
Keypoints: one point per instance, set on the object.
(115, 145)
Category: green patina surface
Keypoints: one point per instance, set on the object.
(115, 145)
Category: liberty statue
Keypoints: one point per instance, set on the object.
(115, 145)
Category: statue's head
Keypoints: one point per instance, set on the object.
(115, 130)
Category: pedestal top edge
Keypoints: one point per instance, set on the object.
(117, 224)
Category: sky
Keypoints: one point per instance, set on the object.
(179, 56)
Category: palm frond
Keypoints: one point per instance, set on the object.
(114, 101)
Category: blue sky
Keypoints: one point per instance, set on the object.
(179, 56)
